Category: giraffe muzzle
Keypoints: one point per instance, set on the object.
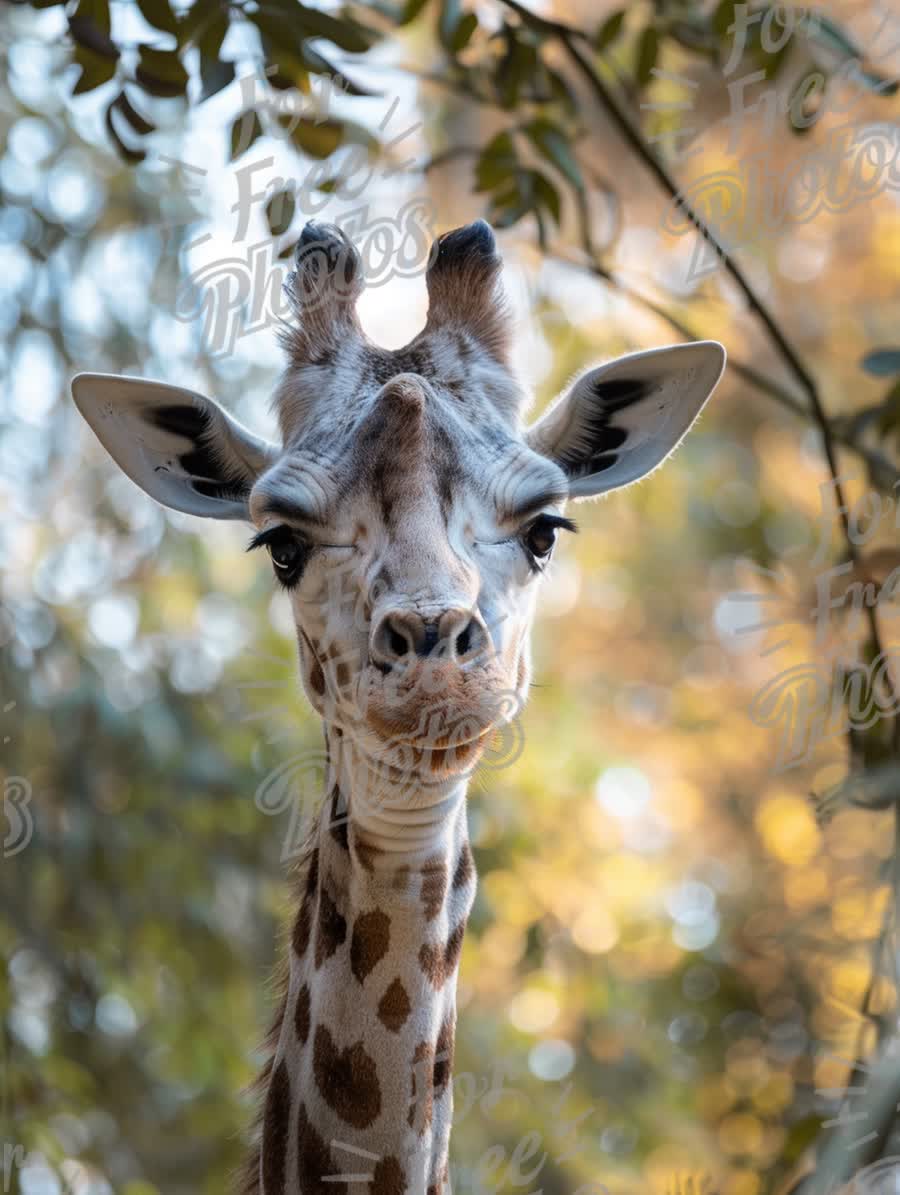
(402, 637)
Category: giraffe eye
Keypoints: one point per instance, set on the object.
(288, 552)
(539, 537)
(285, 555)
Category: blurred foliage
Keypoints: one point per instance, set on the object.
(676, 954)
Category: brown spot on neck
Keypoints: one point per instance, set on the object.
(421, 1088)
(314, 1161)
(440, 962)
(437, 1188)
(276, 1125)
(331, 928)
(303, 924)
(347, 1080)
(339, 816)
(364, 853)
(388, 1177)
(443, 1056)
(370, 941)
(394, 1007)
(465, 867)
(317, 679)
(302, 1015)
(434, 886)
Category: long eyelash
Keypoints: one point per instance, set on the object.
(262, 539)
(559, 521)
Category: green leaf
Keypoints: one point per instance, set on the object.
(547, 196)
(313, 22)
(346, 83)
(647, 55)
(464, 30)
(518, 64)
(89, 26)
(411, 10)
(609, 31)
(280, 211)
(245, 129)
(510, 206)
(358, 134)
(346, 35)
(723, 18)
(367, 33)
(192, 25)
(882, 363)
(129, 153)
(215, 74)
(286, 50)
(562, 92)
(552, 143)
(161, 72)
(158, 13)
(213, 34)
(317, 138)
(497, 163)
(139, 123)
(96, 69)
(455, 27)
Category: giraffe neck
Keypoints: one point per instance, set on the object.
(360, 1080)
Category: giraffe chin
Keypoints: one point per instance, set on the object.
(405, 764)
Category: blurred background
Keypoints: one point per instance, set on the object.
(684, 932)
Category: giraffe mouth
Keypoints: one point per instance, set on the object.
(411, 762)
(464, 720)
(443, 743)
(394, 735)
(439, 715)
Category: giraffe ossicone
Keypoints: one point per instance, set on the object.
(409, 513)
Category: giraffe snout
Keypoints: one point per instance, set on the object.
(402, 635)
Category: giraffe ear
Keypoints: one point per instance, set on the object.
(617, 422)
(183, 449)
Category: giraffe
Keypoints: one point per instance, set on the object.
(409, 512)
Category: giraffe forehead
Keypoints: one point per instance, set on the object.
(318, 397)
(409, 445)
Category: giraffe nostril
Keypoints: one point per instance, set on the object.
(464, 640)
(398, 643)
(401, 635)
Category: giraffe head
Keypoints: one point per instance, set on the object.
(407, 509)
